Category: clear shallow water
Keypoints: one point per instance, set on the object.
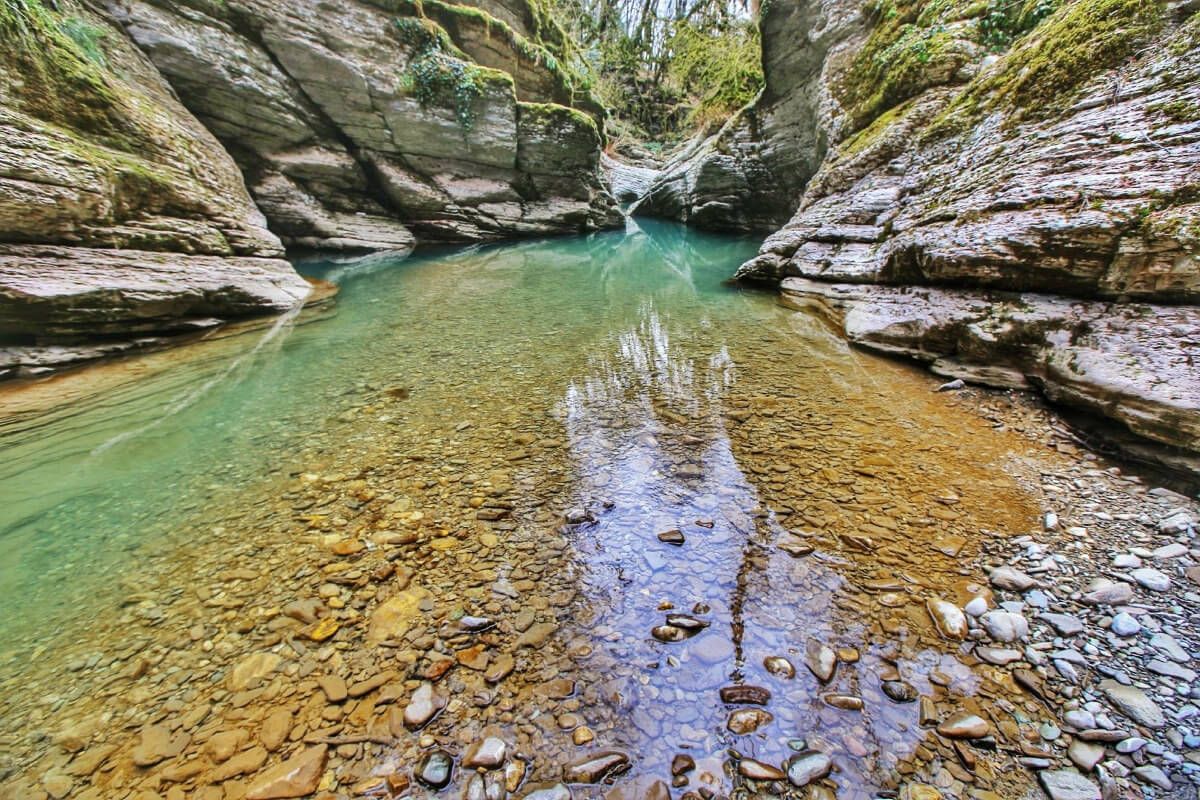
(450, 412)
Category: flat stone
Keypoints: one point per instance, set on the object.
(999, 656)
(1012, 579)
(536, 636)
(1152, 579)
(488, 753)
(1172, 550)
(1148, 773)
(1063, 624)
(596, 767)
(334, 688)
(275, 729)
(1166, 644)
(1171, 670)
(745, 695)
(296, 777)
(1133, 703)
(500, 668)
(1068, 784)
(248, 672)
(964, 725)
(805, 768)
(1085, 755)
(1103, 592)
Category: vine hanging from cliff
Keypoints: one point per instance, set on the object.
(436, 74)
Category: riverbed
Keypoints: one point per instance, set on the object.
(579, 496)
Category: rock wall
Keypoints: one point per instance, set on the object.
(749, 175)
(119, 213)
(364, 125)
(1055, 157)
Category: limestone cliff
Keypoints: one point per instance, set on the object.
(366, 124)
(119, 214)
(1040, 165)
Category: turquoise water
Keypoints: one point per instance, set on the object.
(452, 410)
(87, 483)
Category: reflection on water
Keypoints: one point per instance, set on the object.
(442, 425)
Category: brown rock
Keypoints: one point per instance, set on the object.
(296, 777)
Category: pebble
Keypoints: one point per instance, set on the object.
(820, 660)
(1124, 624)
(488, 753)
(964, 725)
(759, 771)
(805, 768)
(1011, 579)
(949, 618)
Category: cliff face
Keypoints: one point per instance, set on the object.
(1033, 174)
(109, 193)
(157, 157)
(361, 124)
(749, 175)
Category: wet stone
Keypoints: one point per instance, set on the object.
(964, 725)
(745, 695)
(805, 768)
(296, 777)
(951, 622)
(596, 767)
(820, 660)
(759, 771)
(435, 768)
(681, 764)
(488, 753)
(424, 706)
(744, 721)
(779, 666)
(673, 537)
(900, 692)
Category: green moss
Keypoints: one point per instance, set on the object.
(1002, 22)
(53, 64)
(913, 44)
(871, 134)
(1044, 72)
(550, 114)
(1179, 111)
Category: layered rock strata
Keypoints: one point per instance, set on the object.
(1050, 150)
(120, 215)
(365, 125)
